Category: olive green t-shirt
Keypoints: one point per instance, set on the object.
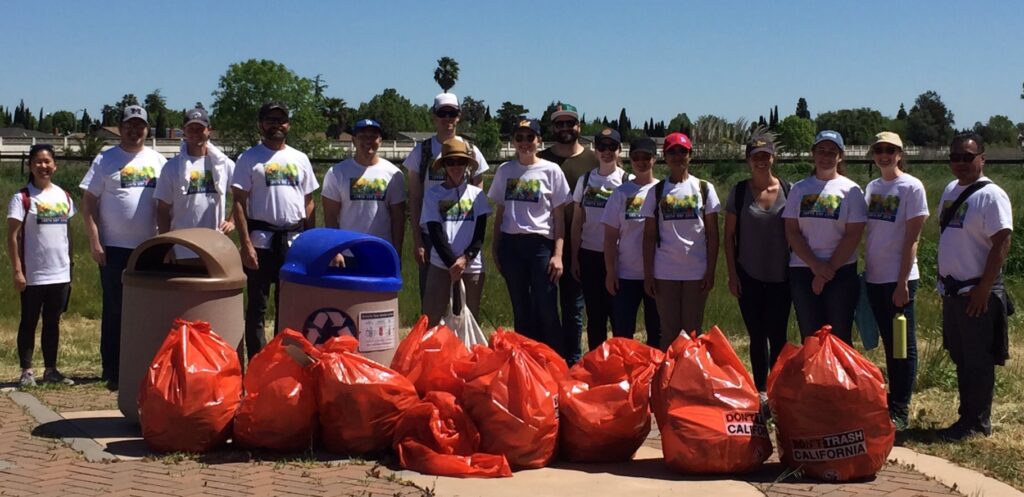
(573, 167)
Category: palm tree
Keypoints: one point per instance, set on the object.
(447, 73)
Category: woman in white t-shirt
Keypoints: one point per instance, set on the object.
(624, 245)
(825, 215)
(38, 243)
(454, 216)
(591, 194)
(530, 196)
(680, 242)
(897, 209)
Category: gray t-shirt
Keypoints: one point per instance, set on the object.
(763, 251)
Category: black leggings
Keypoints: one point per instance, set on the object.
(49, 301)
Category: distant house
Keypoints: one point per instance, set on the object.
(22, 133)
(416, 136)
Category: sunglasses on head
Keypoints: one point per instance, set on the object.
(962, 157)
(524, 138)
(885, 149)
(456, 162)
(446, 113)
(565, 123)
(606, 146)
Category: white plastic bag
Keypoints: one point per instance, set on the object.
(464, 324)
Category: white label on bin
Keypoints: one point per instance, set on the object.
(377, 331)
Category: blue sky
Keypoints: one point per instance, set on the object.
(656, 59)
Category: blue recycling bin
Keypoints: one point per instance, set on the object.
(323, 300)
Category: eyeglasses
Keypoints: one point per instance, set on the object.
(885, 149)
(565, 123)
(275, 121)
(606, 146)
(456, 162)
(677, 151)
(963, 157)
(525, 138)
(446, 114)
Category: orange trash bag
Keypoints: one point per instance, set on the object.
(604, 407)
(513, 400)
(830, 409)
(436, 437)
(540, 352)
(708, 409)
(359, 400)
(278, 410)
(191, 391)
(428, 357)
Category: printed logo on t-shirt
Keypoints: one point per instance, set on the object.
(56, 213)
(200, 182)
(522, 190)
(883, 208)
(596, 196)
(138, 177)
(452, 210)
(367, 189)
(684, 207)
(958, 217)
(820, 206)
(633, 205)
(281, 174)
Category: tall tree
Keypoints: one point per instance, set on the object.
(161, 125)
(999, 130)
(155, 104)
(85, 123)
(3, 118)
(447, 73)
(902, 113)
(63, 122)
(339, 116)
(319, 85)
(395, 113)
(507, 116)
(801, 109)
(680, 123)
(929, 122)
(858, 126)
(796, 134)
(625, 126)
(474, 112)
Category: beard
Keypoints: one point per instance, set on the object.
(567, 136)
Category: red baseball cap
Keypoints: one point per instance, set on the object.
(677, 140)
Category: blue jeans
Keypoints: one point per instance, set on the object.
(110, 326)
(765, 309)
(524, 264)
(625, 304)
(902, 372)
(834, 306)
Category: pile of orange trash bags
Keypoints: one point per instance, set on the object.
(830, 407)
(708, 409)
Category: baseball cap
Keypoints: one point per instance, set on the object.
(134, 112)
(366, 123)
(565, 110)
(271, 106)
(530, 124)
(832, 136)
(643, 144)
(674, 140)
(455, 147)
(888, 137)
(446, 100)
(760, 143)
(608, 134)
(197, 115)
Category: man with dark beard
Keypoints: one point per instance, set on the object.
(575, 160)
(273, 187)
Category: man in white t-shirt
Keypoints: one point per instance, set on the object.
(120, 213)
(447, 113)
(975, 224)
(192, 192)
(273, 187)
(366, 193)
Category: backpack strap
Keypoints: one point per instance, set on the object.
(426, 159)
(947, 214)
(659, 190)
(703, 198)
(586, 181)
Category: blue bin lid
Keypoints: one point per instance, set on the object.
(371, 263)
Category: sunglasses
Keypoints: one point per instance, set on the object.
(885, 149)
(525, 138)
(677, 151)
(275, 121)
(456, 162)
(963, 157)
(564, 124)
(447, 114)
(606, 146)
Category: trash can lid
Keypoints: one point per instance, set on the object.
(219, 266)
(371, 263)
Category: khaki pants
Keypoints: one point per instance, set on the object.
(439, 290)
(680, 306)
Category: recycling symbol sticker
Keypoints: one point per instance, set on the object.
(325, 323)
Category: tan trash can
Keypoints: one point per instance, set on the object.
(360, 299)
(156, 293)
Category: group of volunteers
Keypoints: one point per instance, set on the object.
(572, 229)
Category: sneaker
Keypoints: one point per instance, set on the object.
(55, 376)
(901, 423)
(28, 379)
(958, 432)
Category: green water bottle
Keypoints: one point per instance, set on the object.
(899, 336)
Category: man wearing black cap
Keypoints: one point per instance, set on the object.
(273, 187)
(120, 213)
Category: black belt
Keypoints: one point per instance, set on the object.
(279, 240)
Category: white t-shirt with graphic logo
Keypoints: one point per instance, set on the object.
(683, 254)
(45, 230)
(967, 240)
(365, 194)
(187, 185)
(529, 194)
(593, 198)
(890, 205)
(278, 182)
(436, 176)
(125, 183)
(624, 211)
(457, 209)
(823, 209)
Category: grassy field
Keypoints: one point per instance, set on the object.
(934, 403)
